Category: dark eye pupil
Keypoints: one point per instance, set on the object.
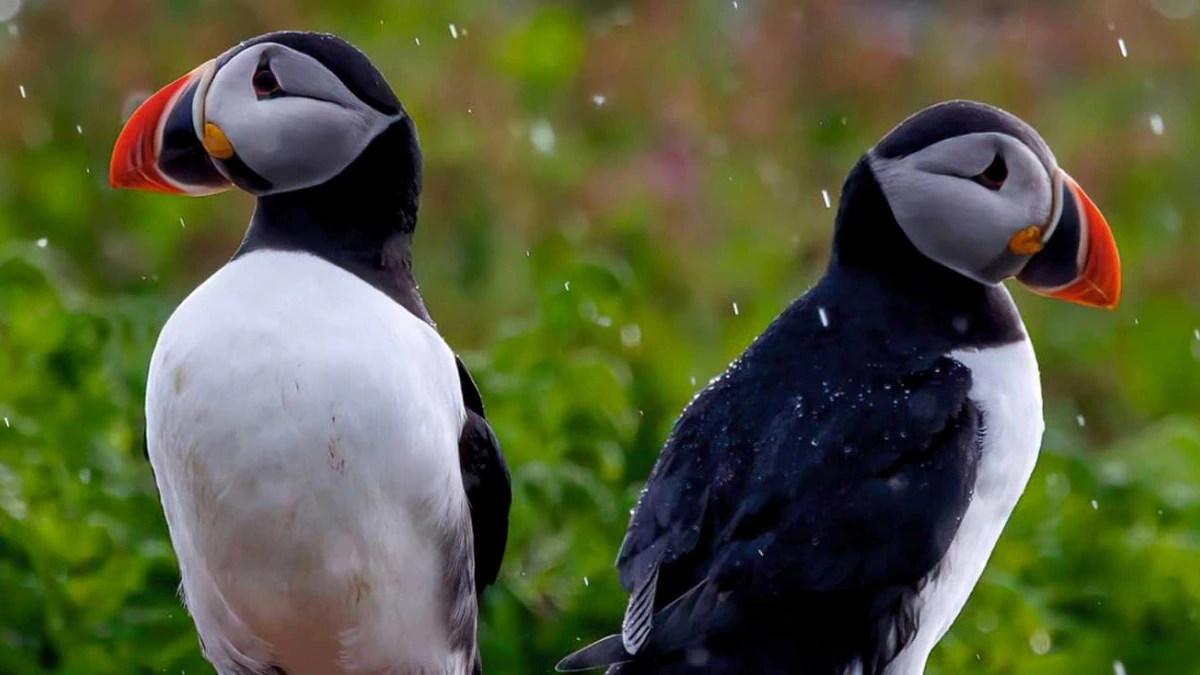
(996, 173)
(264, 81)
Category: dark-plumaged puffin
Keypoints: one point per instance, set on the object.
(334, 494)
(826, 505)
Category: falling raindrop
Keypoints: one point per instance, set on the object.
(9, 9)
(1080, 420)
(1095, 505)
(181, 223)
(1039, 642)
(6, 424)
(567, 285)
(735, 4)
(824, 317)
(453, 31)
(21, 87)
(1156, 124)
(735, 310)
(1196, 333)
(417, 40)
(79, 129)
(598, 100)
(541, 135)
(1175, 9)
(1121, 44)
(825, 196)
(1118, 668)
(585, 582)
(631, 336)
(43, 242)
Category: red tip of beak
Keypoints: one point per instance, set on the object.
(134, 161)
(1099, 281)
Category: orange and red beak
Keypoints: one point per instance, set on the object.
(162, 149)
(1079, 262)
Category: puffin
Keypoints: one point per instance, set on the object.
(826, 505)
(334, 494)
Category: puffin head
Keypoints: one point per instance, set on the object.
(278, 114)
(976, 190)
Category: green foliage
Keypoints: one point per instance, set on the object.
(590, 280)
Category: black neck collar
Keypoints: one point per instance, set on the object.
(870, 249)
(361, 220)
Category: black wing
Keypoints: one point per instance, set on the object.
(486, 480)
(811, 484)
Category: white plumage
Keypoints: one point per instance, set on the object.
(1006, 386)
(303, 428)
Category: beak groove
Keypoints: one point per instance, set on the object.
(158, 150)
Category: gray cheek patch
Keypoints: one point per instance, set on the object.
(302, 138)
(955, 221)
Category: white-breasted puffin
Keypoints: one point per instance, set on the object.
(334, 494)
(826, 505)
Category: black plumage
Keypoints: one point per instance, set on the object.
(807, 494)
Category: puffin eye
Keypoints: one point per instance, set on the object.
(994, 176)
(264, 81)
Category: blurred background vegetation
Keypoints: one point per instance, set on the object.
(620, 194)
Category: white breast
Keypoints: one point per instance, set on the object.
(1007, 388)
(303, 430)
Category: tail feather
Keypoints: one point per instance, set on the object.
(599, 654)
(681, 624)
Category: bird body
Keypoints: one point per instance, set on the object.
(334, 493)
(304, 430)
(827, 504)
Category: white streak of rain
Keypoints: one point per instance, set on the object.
(1039, 642)
(9, 9)
(541, 135)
